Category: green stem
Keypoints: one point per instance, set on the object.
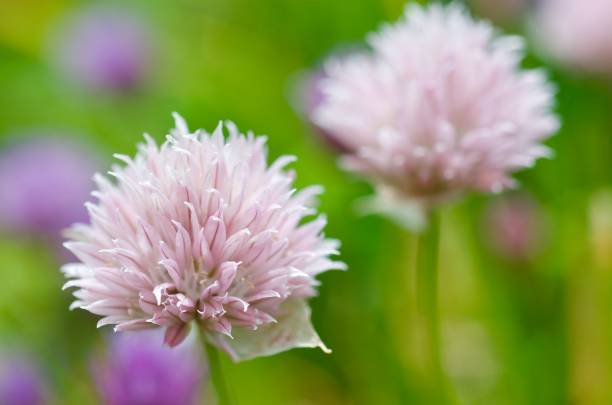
(216, 375)
(427, 300)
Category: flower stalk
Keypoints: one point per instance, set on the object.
(217, 379)
(427, 300)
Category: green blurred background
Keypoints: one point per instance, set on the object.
(535, 331)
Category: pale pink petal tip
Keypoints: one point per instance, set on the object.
(201, 229)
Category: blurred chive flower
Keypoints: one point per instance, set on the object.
(514, 228)
(21, 382)
(576, 32)
(104, 48)
(202, 230)
(439, 106)
(44, 183)
(139, 371)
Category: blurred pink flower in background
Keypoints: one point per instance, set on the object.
(515, 227)
(137, 370)
(202, 229)
(440, 106)
(44, 184)
(21, 382)
(104, 48)
(576, 32)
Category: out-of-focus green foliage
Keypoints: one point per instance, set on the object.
(530, 333)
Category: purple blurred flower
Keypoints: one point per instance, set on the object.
(20, 383)
(140, 371)
(105, 48)
(44, 184)
(514, 227)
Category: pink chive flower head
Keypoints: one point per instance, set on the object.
(201, 229)
(438, 107)
(576, 32)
